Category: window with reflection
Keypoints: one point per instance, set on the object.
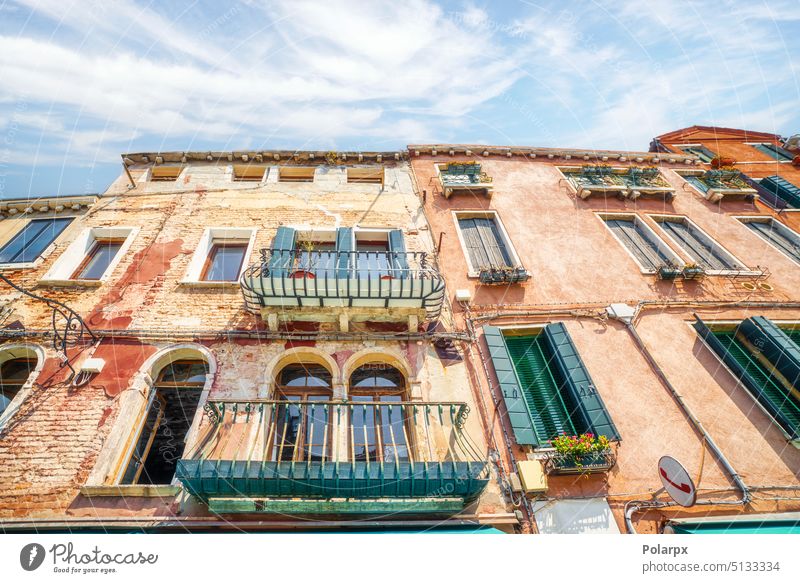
(170, 411)
(379, 432)
(14, 374)
(303, 424)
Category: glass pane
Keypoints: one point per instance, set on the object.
(393, 430)
(299, 375)
(100, 258)
(225, 262)
(377, 375)
(288, 419)
(373, 258)
(34, 238)
(316, 256)
(316, 429)
(183, 372)
(364, 423)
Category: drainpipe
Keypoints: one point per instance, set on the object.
(626, 314)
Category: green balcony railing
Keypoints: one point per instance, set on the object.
(629, 182)
(464, 177)
(264, 453)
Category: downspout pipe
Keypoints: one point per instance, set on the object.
(634, 506)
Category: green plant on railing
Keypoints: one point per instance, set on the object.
(725, 177)
(580, 445)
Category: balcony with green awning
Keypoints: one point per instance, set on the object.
(334, 457)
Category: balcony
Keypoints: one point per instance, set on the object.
(716, 185)
(626, 182)
(333, 457)
(464, 179)
(343, 285)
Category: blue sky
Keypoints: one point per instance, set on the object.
(82, 82)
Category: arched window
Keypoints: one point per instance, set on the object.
(170, 411)
(379, 432)
(303, 428)
(14, 373)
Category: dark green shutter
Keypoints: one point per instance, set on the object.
(518, 415)
(775, 345)
(397, 246)
(589, 404)
(344, 248)
(782, 188)
(758, 381)
(281, 259)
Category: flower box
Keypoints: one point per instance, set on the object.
(502, 275)
(585, 463)
(693, 272)
(669, 272)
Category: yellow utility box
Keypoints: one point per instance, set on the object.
(532, 476)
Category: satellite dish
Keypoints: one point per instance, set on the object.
(677, 482)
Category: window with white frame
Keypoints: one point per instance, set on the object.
(485, 242)
(221, 256)
(700, 247)
(774, 151)
(648, 250)
(92, 256)
(775, 233)
(700, 151)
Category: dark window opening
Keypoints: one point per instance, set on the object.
(169, 416)
(14, 374)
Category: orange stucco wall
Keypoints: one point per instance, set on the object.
(577, 268)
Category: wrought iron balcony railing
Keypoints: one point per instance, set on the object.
(466, 177)
(718, 184)
(320, 449)
(371, 279)
(630, 182)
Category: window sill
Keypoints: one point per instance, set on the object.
(71, 282)
(18, 265)
(131, 490)
(209, 284)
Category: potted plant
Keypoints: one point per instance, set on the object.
(722, 161)
(579, 454)
(502, 274)
(693, 271)
(304, 261)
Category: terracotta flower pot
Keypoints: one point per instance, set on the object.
(302, 273)
(721, 161)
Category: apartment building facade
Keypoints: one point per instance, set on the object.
(241, 340)
(279, 340)
(609, 295)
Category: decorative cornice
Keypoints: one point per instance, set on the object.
(46, 204)
(575, 156)
(265, 157)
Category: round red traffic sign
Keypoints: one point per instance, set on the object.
(676, 481)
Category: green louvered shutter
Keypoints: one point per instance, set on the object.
(518, 415)
(759, 381)
(397, 247)
(589, 404)
(344, 248)
(280, 261)
(782, 188)
(775, 345)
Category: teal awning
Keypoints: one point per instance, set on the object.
(739, 527)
